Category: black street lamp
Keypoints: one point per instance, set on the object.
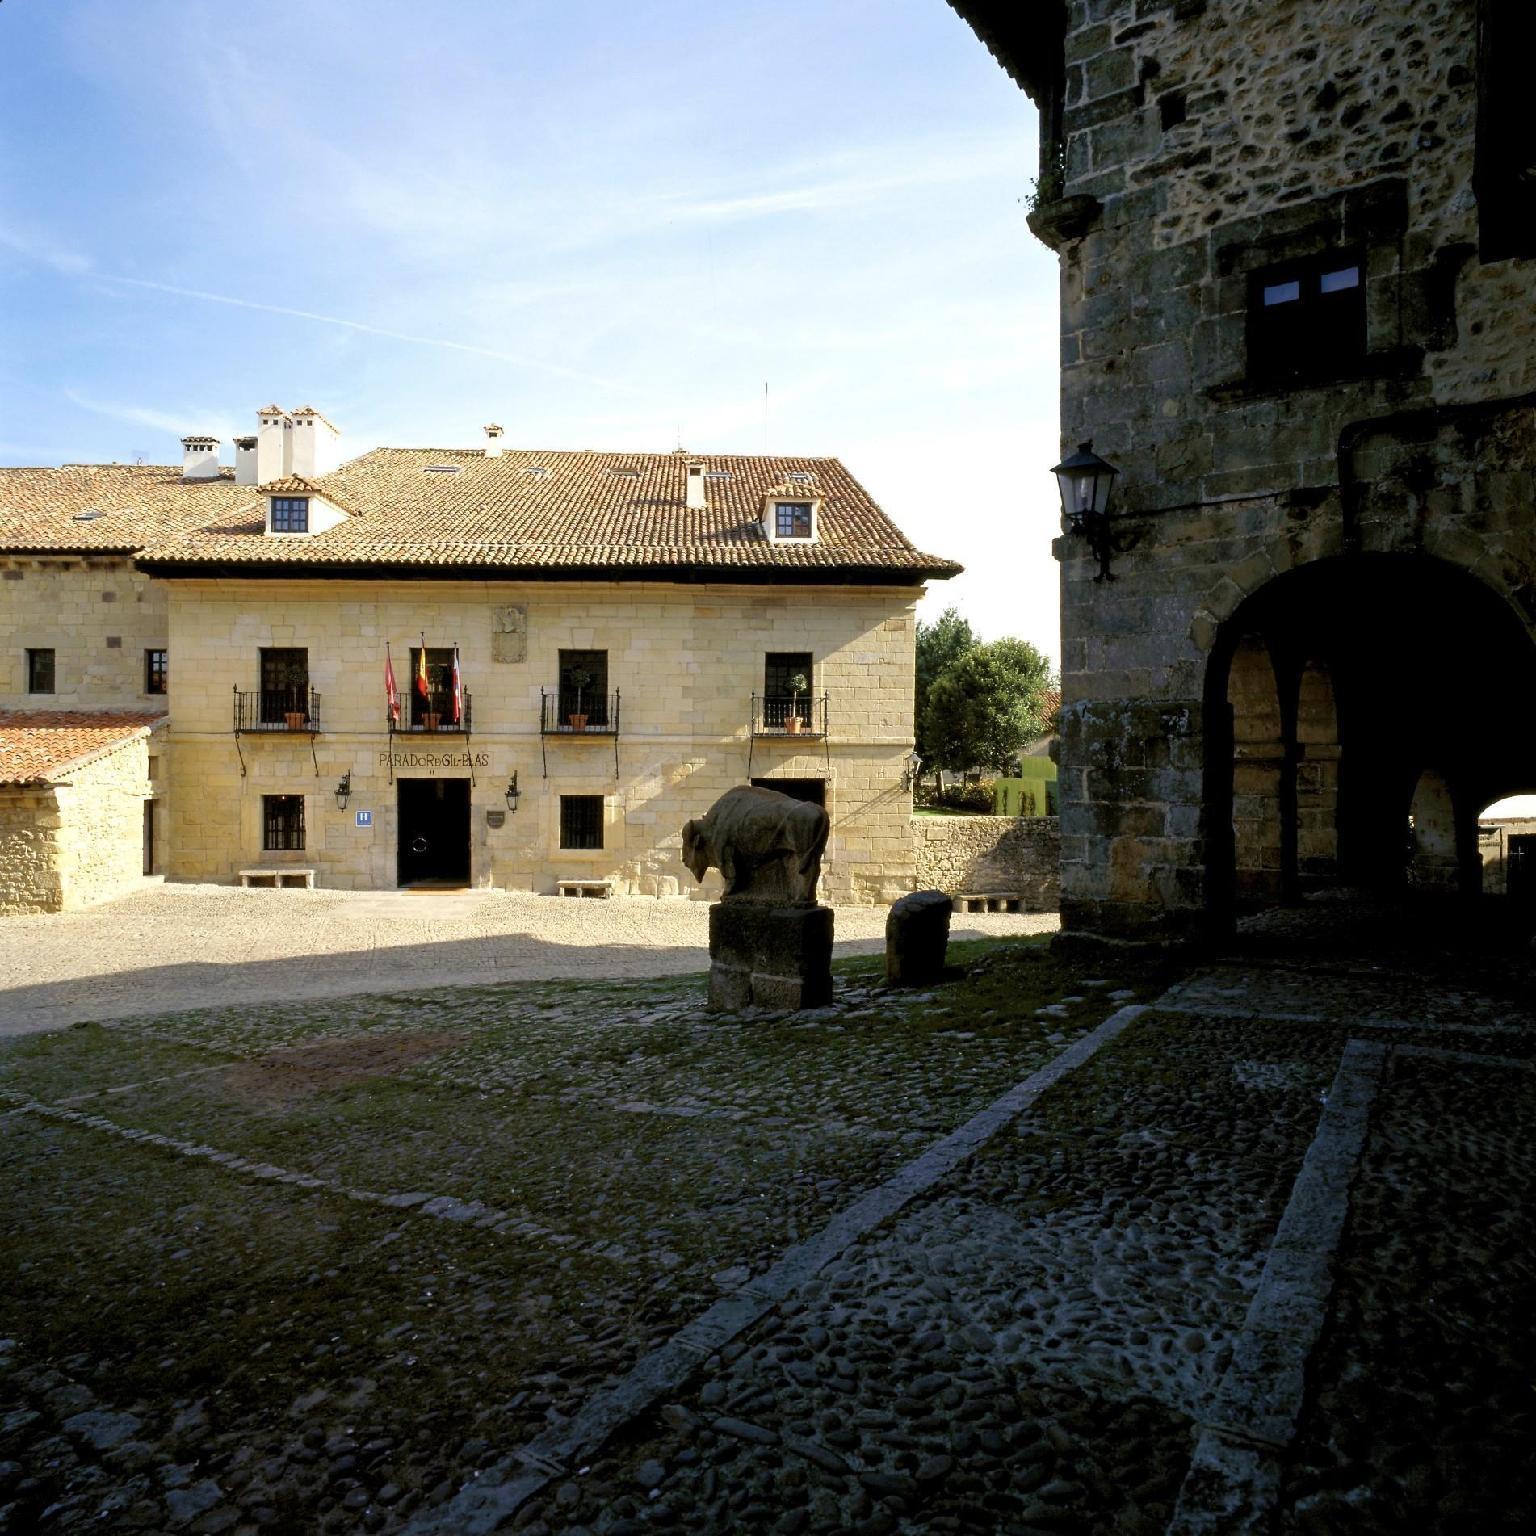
(1087, 484)
(513, 792)
(343, 790)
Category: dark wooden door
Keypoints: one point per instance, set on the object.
(433, 831)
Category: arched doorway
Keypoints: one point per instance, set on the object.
(1360, 713)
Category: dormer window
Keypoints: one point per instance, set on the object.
(792, 520)
(290, 514)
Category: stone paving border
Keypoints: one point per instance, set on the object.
(1234, 1474)
(1195, 1008)
(418, 1203)
(497, 1494)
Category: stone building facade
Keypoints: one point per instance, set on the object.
(1298, 315)
(587, 650)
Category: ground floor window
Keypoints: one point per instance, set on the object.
(813, 791)
(282, 822)
(581, 821)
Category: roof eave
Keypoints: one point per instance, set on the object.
(1024, 36)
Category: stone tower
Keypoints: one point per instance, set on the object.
(1298, 314)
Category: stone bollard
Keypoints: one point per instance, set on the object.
(916, 938)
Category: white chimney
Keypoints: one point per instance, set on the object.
(199, 458)
(274, 444)
(493, 441)
(695, 498)
(316, 444)
(245, 461)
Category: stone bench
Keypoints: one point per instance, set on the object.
(278, 879)
(601, 888)
(988, 901)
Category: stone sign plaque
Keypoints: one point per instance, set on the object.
(509, 633)
(495, 819)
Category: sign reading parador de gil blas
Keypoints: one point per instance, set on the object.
(436, 759)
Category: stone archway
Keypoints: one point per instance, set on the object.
(1350, 703)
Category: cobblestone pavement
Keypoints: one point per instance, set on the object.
(1023, 1254)
(172, 947)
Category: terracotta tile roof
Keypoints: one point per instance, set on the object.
(108, 507)
(289, 485)
(577, 516)
(37, 746)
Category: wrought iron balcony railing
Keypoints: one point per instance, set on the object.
(784, 715)
(432, 715)
(277, 709)
(565, 712)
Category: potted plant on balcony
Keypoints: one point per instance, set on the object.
(793, 721)
(295, 719)
(579, 678)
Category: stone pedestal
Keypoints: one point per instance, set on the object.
(769, 957)
(916, 939)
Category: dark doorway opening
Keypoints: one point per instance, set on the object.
(813, 791)
(434, 831)
(149, 837)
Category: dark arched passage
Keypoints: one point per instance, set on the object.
(1398, 682)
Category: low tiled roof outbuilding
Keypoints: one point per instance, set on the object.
(41, 746)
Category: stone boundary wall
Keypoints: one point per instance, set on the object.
(30, 879)
(991, 853)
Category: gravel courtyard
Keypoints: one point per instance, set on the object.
(188, 946)
(1043, 1250)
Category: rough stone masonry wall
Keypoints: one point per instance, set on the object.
(30, 879)
(1012, 854)
(685, 660)
(97, 614)
(78, 842)
(1291, 130)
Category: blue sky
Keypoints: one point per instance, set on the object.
(603, 224)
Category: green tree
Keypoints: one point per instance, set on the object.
(986, 703)
(946, 640)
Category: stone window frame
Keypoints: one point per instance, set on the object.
(582, 816)
(156, 670)
(1369, 221)
(42, 667)
(282, 824)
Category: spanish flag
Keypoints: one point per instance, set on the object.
(421, 673)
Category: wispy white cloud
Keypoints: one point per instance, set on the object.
(38, 246)
(342, 323)
(173, 423)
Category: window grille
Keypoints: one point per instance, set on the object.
(581, 821)
(282, 823)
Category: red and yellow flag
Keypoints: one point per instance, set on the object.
(421, 673)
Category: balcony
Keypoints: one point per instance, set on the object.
(784, 715)
(431, 716)
(565, 713)
(277, 709)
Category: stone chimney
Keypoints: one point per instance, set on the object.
(695, 498)
(245, 461)
(493, 441)
(316, 443)
(199, 458)
(274, 444)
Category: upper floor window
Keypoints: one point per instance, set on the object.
(290, 514)
(155, 671)
(584, 686)
(284, 683)
(792, 520)
(432, 684)
(1306, 319)
(40, 671)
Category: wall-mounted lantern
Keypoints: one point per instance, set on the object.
(343, 790)
(912, 768)
(1087, 485)
(513, 792)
